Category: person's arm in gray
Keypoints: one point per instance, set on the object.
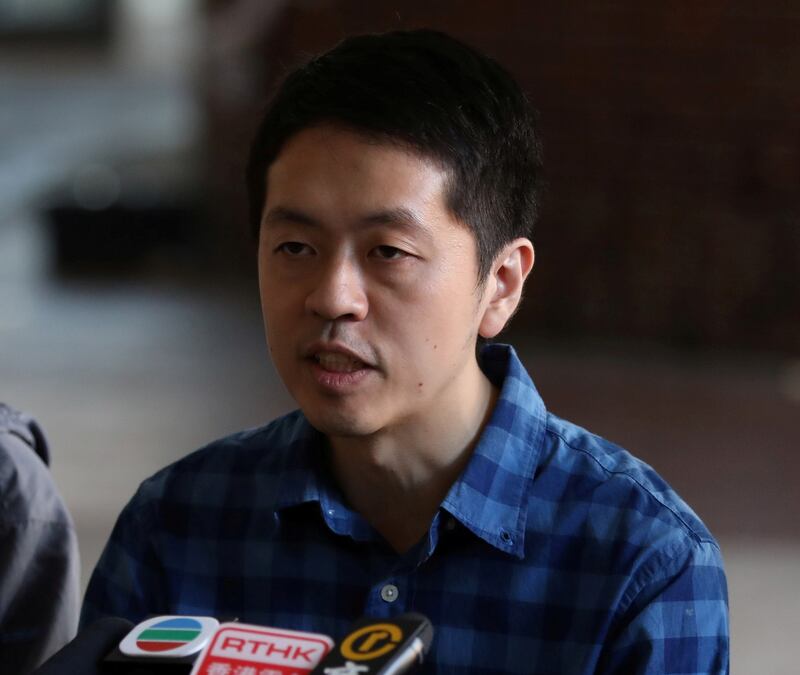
(39, 567)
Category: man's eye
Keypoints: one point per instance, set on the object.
(389, 252)
(294, 248)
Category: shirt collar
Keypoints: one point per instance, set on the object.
(490, 497)
(303, 463)
(306, 477)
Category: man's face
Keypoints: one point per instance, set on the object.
(368, 284)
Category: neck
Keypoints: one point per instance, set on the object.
(398, 477)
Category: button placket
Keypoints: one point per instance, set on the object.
(389, 593)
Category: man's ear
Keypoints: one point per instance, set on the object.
(503, 287)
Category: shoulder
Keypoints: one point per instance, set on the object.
(229, 469)
(642, 556)
(27, 490)
(597, 471)
(622, 520)
(618, 513)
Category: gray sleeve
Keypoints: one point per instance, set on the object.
(39, 566)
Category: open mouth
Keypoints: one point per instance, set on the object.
(339, 363)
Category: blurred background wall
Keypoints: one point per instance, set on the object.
(672, 143)
(668, 254)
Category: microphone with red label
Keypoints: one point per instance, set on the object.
(242, 649)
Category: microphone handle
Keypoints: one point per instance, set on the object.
(406, 660)
(82, 656)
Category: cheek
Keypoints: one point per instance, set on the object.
(432, 329)
(280, 302)
(279, 332)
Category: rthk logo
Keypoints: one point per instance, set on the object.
(255, 650)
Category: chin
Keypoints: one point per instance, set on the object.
(339, 424)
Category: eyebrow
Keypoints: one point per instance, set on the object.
(399, 217)
(281, 214)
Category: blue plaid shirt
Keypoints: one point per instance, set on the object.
(555, 551)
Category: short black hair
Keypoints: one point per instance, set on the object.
(435, 95)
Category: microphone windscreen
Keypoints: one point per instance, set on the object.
(83, 656)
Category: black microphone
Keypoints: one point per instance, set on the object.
(167, 645)
(380, 647)
(84, 654)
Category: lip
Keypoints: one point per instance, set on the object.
(335, 382)
(335, 348)
(338, 383)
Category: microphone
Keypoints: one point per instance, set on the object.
(380, 647)
(82, 656)
(161, 644)
(176, 645)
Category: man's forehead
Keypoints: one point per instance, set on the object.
(399, 216)
(326, 134)
(327, 172)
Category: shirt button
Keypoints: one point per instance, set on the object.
(389, 593)
(450, 524)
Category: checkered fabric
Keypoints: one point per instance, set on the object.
(556, 552)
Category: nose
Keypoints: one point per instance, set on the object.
(338, 292)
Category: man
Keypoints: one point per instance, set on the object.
(39, 565)
(393, 185)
